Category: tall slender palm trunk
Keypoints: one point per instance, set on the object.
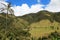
(6, 22)
(6, 18)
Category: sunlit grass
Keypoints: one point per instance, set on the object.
(43, 28)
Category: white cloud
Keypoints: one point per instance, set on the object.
(36, 8)
(21, 10)
(1, 4)
(54, 6)
(24, 9)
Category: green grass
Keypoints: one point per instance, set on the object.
(43, 28)
(31, 25)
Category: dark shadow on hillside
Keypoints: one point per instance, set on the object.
(5, 21)
(42, 15)
(36, 17)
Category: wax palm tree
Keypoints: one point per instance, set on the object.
(8, 8)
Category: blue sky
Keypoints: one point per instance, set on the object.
(29, 2)
(23, 7)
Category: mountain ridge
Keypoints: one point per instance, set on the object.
(42, 19)
(42, 15)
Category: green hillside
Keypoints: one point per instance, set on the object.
(24, 27)
(43, 22)
(13, 28)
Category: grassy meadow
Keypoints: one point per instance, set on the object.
(43, 25)
(44, 28)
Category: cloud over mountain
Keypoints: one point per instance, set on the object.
(24, 9)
